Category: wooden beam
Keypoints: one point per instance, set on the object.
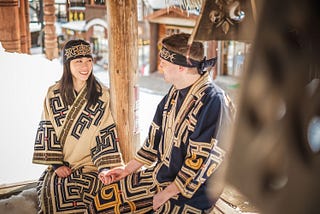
(154, 33)
(8, 190)
(23, 27)
(50, 37)
(27, 17)
(123, 71)
(9, 26)
(220, 62)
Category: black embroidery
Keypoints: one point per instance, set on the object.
(90, 115)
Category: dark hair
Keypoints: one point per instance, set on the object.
(94, 88)
(179, 43)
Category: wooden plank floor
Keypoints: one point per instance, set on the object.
(233, 202)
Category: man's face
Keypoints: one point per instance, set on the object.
(170, 71)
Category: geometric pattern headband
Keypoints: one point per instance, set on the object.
(76, 51)
(179, 59)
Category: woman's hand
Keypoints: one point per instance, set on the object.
(63, 171)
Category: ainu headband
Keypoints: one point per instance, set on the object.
(77, 51)
(179, 59)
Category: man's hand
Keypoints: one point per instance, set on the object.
(159, 199)
(112, 175)
(162, 197)
(63, 171)
(118, 173)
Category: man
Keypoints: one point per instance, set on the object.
(183, 147)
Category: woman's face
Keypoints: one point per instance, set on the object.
(81, 69)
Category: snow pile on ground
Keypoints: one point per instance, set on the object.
(24, 82)
(25, 202)
(1, 48)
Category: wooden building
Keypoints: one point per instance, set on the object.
(87, 20)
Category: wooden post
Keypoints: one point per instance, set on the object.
(23, 27)
(27, 17)
(220, 62)
(123, 71)
(154, 36)
(50, 37)
(212, 52)
(9, 26)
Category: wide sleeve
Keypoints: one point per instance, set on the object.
(147, 154)
(204, 151)
(47, 148)
(105, 150)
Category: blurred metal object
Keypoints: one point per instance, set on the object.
(225, 15)
(226, 20)
(275, 160)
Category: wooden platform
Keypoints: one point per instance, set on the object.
(7, 190)
(233, 202)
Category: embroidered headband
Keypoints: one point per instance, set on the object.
(179, 59)
(75, 49)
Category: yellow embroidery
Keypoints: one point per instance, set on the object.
(187, 181)
(132, 206)
(193, 162)
(211, 169)
(108, 192)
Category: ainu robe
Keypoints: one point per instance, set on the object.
(183, 146)
(80, 136)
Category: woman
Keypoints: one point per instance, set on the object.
(76, 137)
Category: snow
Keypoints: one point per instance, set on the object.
(1, 48)
(34, 27)
(24, 82)
(156, 4)
(25, 202)
(75, 25)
